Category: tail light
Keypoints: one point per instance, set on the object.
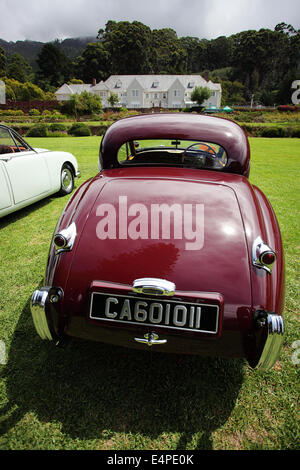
(263, 256)
(64, 240)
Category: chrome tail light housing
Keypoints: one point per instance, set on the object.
(263, 257)
(64, 239)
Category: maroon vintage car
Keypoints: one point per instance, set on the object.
(168, 246)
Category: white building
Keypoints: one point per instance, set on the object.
(147, 91)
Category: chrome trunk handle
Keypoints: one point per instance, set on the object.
(150, 339)
(153, 286)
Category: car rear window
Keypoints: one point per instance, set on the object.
(184, 153)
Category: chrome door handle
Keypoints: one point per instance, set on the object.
(150, 338)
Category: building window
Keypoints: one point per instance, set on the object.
(177, 93)
(135, 93)
(164, 96)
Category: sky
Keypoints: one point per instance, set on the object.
(45, 20)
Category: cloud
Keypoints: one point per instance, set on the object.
(46, 20)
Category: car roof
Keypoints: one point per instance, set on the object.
(185, 126)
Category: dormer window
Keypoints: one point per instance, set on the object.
(155, 84)
(191, 84)
(118, 84)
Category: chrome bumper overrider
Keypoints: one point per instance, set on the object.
(38, 302)
(270, 353)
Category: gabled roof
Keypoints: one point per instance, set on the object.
(158, 82)
(101, 86)
(74, 88)
(149, 83)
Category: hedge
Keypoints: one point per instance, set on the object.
(39, 130)
(79, 129)
(271, 131)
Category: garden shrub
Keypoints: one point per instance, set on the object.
(58, 134)
(34, 112)
(295, 132)
(79, 129)
(39, 130)
(275, 131)
(57, 127)
(12, 112)
(287, 107)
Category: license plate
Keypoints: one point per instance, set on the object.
(153, 312)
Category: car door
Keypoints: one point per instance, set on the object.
(27, 170)
(5, 193)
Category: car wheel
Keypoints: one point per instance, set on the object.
(67, 180)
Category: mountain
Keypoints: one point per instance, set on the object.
(72, 47)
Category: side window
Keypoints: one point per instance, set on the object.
(123, 153)
(7, 143)
(11, 143)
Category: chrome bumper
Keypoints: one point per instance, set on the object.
(275, 331)
(77, 174)
(37, 307)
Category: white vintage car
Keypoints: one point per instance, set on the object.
(29, 174)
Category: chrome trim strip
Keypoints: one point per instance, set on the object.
(275, 332)
(153, 286)
(37, 307)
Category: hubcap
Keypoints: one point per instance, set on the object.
(66, 179)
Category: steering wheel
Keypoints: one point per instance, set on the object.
(205, 150)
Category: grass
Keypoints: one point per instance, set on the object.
(93, 396)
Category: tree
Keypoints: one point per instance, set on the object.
(287, 29)
(232, 92)
(76, 81)
(168, 55)
(73, 105)
(128, 45)
(200, 94)
(19, 69)
(85, 103)
(93, 63)
(113, 99)
(219, 52)
(91, 103)
(55, 68)
(260, 58)
(2, 62)
(23, 91)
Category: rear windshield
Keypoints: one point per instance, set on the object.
(186, 153)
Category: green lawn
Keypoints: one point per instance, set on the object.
(93, 396)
